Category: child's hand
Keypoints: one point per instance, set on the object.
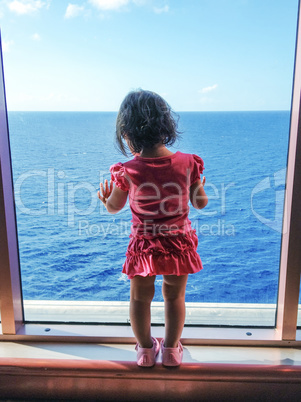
(105, 191)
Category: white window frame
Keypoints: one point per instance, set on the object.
(285, 333)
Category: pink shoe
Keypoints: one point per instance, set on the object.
(146, 357)
(171, 356)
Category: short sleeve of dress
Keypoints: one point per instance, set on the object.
(118, 176)
(198, 167)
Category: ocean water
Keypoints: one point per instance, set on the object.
(72, 249)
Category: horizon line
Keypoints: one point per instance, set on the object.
(178, 111)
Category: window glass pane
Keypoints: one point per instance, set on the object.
(228, 71)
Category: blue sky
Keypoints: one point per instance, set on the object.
(201, 55)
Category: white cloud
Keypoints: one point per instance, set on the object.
(22, 7)
(108, 4)
(6, 45)
(208, 89)
(73, 10)
(36, 37)
(161, 10)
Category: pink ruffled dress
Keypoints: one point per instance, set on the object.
(162, 241)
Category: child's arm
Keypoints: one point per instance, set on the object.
(198, 197)
(114, 199)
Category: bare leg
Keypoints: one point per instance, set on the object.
(142, 293)
(173, 290)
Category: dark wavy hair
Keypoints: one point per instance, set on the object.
(145, 119)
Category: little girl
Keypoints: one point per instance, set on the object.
(159, 184)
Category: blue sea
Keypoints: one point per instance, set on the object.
(72, 249)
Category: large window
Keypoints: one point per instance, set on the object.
(232, 89)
